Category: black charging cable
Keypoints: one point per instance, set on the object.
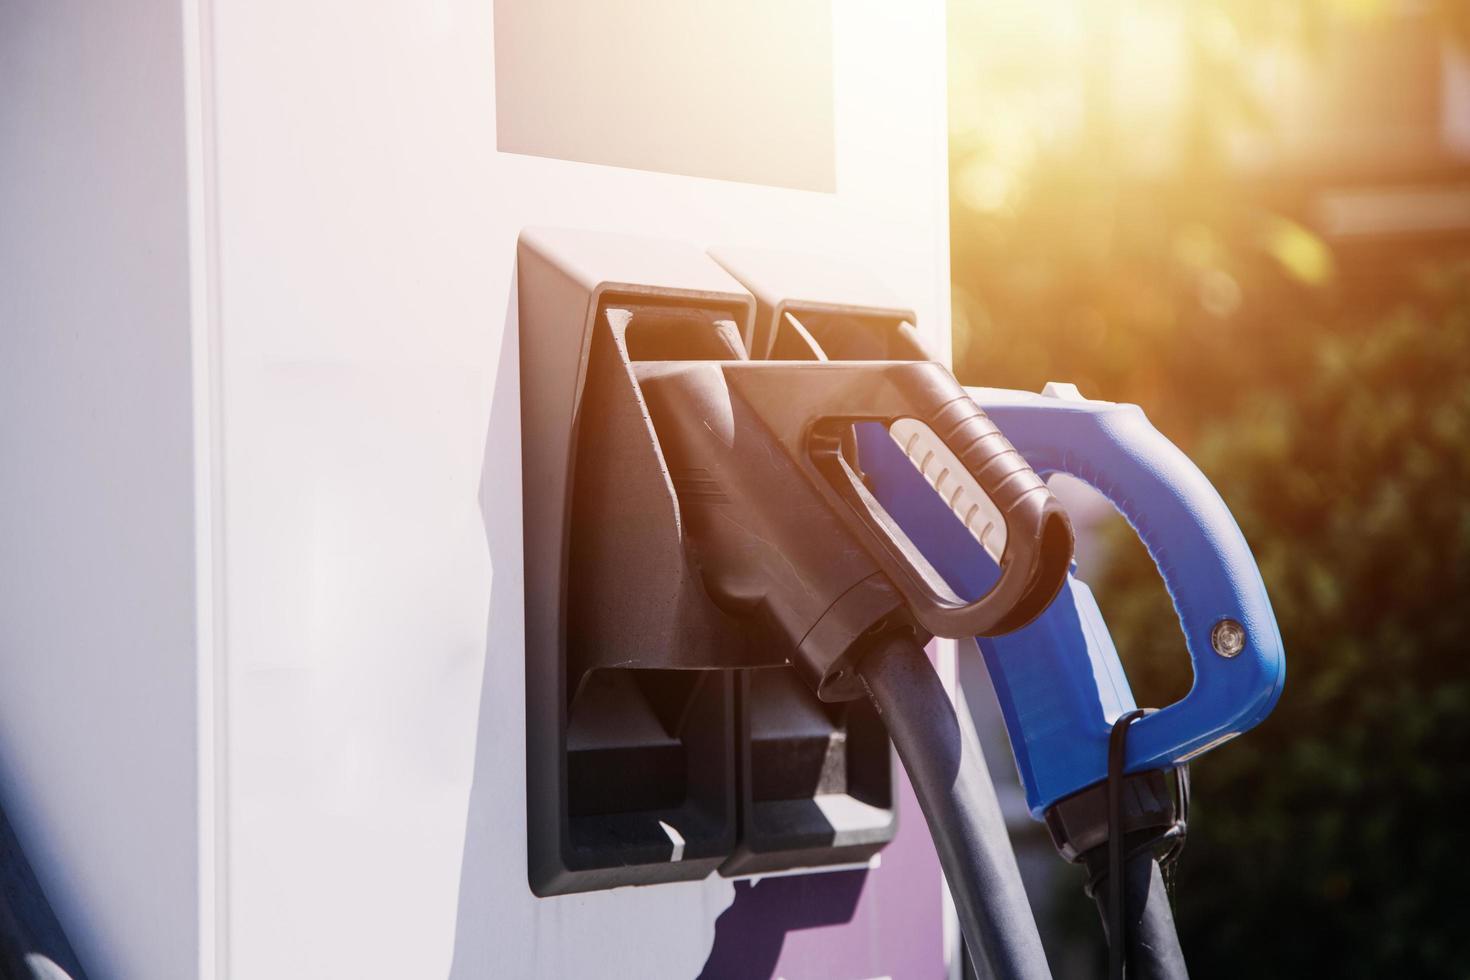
(1137, 916)
(941, 753)
(1117, 755)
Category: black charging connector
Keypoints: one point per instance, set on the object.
(667, 737)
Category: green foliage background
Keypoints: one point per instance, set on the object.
(1329, 401)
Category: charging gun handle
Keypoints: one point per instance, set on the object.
(1207, 567)
(837, 395)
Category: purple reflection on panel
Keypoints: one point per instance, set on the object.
(842, 925)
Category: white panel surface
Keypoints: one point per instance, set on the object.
(371, 569)
(98, 709)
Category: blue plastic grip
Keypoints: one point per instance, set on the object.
(1059, 680)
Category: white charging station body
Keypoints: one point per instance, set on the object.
(262, 702)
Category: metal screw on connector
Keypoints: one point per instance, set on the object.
(1228, 638)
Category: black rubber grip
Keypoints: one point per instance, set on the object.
(834, 395)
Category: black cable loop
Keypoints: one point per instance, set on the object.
(1117, 921)
(1174, 835)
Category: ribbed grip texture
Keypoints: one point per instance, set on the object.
(1001, 471)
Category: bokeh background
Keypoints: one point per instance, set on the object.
(1252, 217)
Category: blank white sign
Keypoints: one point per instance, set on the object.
(730, 89)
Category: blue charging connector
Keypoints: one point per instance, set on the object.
(1060, 683)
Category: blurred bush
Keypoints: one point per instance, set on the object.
(1329, 401)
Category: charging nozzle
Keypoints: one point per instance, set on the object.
(765, 461)
(784, 530)
(816, 428)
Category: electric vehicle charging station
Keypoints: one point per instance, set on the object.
(286, 248)
(269, 392)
